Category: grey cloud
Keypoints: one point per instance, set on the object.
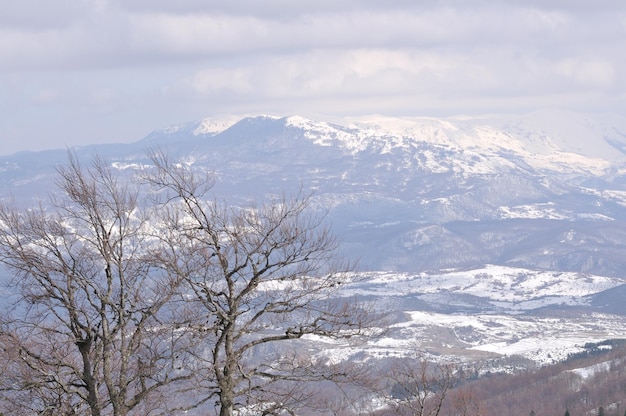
(110, 36)
(34, 15)
(128, 66)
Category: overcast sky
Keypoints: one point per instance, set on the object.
(98, 71)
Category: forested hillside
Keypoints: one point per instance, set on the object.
(585, 384)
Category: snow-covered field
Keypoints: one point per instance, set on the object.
(483, 314)
(504, 288)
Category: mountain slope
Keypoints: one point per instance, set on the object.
(545, 190)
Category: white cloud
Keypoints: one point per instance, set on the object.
(220, 80)
(588, 73)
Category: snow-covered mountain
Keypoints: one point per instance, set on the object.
(540, 198)
(545, 190)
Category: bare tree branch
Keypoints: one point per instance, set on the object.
(420, 388)
(90, 322)
(265, 276)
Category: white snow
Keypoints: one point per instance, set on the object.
(213, 126)
(587, 372)
(567, 145)
(545, 210)
(509, 287)
(504, 330)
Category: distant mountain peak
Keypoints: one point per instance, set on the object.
(554, 140)
(214, 126)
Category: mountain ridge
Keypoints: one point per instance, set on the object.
(429, 193)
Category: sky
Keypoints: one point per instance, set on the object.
(77, 72)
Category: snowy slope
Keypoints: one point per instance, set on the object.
(491, 314)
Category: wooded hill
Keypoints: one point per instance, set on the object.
(589, 383)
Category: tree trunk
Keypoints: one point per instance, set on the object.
(227, 382)
(84, 346)
(226, 403)
(227, 391)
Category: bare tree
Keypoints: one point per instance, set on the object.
(266, 278)
(465, 402)
(91, 326)
(420, 388)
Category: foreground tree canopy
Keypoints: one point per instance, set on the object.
(150, 297)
